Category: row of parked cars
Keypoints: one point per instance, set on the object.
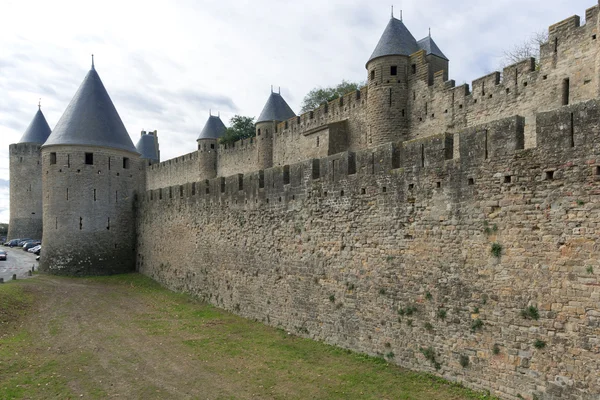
(30, 245)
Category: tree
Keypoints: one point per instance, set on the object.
(320, 95)
(241, 128)
(522, 51)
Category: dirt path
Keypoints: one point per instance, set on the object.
(89, 326)
(125, 337)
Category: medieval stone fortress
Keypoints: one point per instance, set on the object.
(451, 229)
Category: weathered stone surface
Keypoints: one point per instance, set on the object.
(343, 249)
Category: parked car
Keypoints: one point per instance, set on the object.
(12, 242)
(30, 244)
(3, 255)
(22, 242)
(35, 248)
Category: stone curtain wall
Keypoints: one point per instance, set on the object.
(174, 171)
(388, 252)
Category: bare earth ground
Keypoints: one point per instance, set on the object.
(126, 337)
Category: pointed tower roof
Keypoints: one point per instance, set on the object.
(91, 119)
(147, 146)
(37, 131)
(213, 129)
(276, 109)
(430, 47)
(395, 40)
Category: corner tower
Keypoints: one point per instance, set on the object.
(388, 69)
(26, 180)
(91, 174)
(207, 146)
(275, 111)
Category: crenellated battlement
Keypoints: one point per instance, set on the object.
(568, 130)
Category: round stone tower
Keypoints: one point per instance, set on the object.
(26, 181)
(388, 71)
(91, 175)
(208, 145)
(275, 111)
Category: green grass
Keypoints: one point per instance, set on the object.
(14, 301)
(239, 353)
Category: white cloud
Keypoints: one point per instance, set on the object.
(166, 63)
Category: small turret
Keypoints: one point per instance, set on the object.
(26, 180)
(275, 111)
(147, 146)
(207, 146)
(388, 71)
(436, 60)
(91, 174)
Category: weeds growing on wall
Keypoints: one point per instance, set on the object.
(476, 325)
(429, 354)
(530, 312)
(496, 249)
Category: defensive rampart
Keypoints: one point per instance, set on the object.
(477, 261)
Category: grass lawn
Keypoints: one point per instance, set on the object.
(126, 337)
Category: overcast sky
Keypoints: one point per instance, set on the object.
(166, 63)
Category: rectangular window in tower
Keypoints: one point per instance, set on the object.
(372, 74)
(286, 174)
(109, 163)
(94, 194)
(125, 163)
(68, 161)
(572, 131)
(108, 224)
(52, 158)
(393, 70)
(89, 158)
(565, 92)
(413, 68)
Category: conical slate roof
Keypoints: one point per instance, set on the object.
(276, 109)
(37, 131)
(430, 47)
(213, 129)
(91, 119)
(147, 147)
(396, 40)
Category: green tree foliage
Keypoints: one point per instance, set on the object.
(320, 95)
(3, 229)
(241, 128)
